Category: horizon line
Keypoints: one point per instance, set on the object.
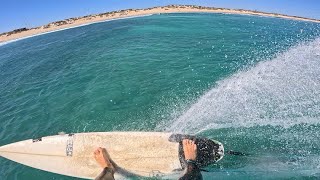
(172, 8)
(170, 5)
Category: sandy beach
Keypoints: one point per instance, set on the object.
(73, 22)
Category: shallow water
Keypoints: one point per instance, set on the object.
(250, 82)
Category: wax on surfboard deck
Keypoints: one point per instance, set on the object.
(146, 154)
(135, 153)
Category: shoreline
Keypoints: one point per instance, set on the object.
(24, 33)
(66, 28)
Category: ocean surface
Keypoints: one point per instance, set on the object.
(251, 82)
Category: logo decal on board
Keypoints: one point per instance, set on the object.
(69, 147)
(156, 173)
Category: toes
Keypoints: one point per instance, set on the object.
(185, 142)
(96, 151)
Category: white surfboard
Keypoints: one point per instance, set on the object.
(146, 154)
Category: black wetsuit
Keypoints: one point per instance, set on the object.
(192, 173)
(106, 174)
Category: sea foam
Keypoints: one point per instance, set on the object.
(284, 91)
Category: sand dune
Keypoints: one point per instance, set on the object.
(72, 22)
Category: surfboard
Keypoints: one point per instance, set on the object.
(144, 154)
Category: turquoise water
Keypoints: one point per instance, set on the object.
(250, 82)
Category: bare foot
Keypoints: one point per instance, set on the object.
(102, 157)
(189, 149)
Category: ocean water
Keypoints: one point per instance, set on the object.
(251, 82)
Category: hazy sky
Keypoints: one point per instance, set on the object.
(30, 13)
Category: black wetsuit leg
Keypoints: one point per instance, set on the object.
(192, 173)
(106, 174)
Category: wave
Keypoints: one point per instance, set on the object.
(284, 91)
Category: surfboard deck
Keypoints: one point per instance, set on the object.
(146, 154)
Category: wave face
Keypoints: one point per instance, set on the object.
(270, 111)
(284, 91)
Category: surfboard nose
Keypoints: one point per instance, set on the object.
(40, 146)
(8, 151)
(6, 148)
(1, 150)
(17, 147)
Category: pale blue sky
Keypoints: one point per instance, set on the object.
(30, 13)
